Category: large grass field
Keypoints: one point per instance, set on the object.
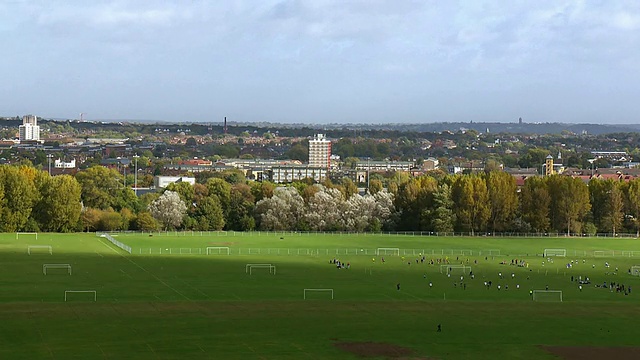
(168, 299)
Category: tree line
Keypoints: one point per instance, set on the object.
(97, 199)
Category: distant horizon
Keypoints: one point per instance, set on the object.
(320, 62)
(230, 121)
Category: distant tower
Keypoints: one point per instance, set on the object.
(520, 121)
(319, 151)
(29, 130)
(559, 156)
(548, 166)
(225, 125)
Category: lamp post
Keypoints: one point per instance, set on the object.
(49, 157)
(135, 175)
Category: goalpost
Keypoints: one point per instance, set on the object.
(248, 267)
(635, 270)
(218, 250)
(492, 252)
(48, 248)
(67, 292)
(547, 295)
(451, 269)
(555, 252)
(603, 253)
(26, 233)
(384, 251)
(272, 268)
(317, 290)
(46, 267)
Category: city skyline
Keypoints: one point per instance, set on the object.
(321, 61)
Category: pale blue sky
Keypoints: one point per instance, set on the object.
(322, 61)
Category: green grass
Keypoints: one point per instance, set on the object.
(175, 306)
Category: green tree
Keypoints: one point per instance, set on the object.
(442, 216)
(59, 207)
(503, 199)
(535, 202)
(569, 202)
(471, 199)
(208, 214)
(101, 187)
(413, 198)
(146, 222)
(20, 195)
(632, 195)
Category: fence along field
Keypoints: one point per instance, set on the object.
(222, 286)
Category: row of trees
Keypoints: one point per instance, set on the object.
(97, 199)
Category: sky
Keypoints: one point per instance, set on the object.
(322, 61)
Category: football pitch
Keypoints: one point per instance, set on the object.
(282, 296)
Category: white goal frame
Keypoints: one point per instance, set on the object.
(272, 268)
(209, 248)
(546, 292)
(39, 247)
(387, 249)
(45, 267)
(247, 268)
(493, 252)
(450, 266)
(26, 233)
(304, 296)
(603, 253)
(95, 293)
(555, 252)
(635, 270)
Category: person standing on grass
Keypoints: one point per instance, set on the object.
(439, 328)
(398, 286)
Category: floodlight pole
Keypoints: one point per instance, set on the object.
(135, 175)
(49, 156)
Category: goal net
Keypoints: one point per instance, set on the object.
(249, 266)
(48, 267)
(492, 252)
(35, 249)
(80, 295)
(455, 269)
(635, 270)
(603, 253)
(30, 235)
(555, 252)
(308, 293)
(547, 295)
(388, 251)
(272, 268)
(218, 250)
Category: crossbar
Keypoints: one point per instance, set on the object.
(55, 266)
(39, 247)
(248, 267)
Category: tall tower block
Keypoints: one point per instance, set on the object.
(320, 151)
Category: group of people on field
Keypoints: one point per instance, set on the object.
(339, 264)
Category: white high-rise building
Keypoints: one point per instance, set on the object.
(320, 151)
(29, 130)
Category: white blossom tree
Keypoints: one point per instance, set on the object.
(169, 209)
(325, 210)
(360, 211)
(385, 208)
(282, 211)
